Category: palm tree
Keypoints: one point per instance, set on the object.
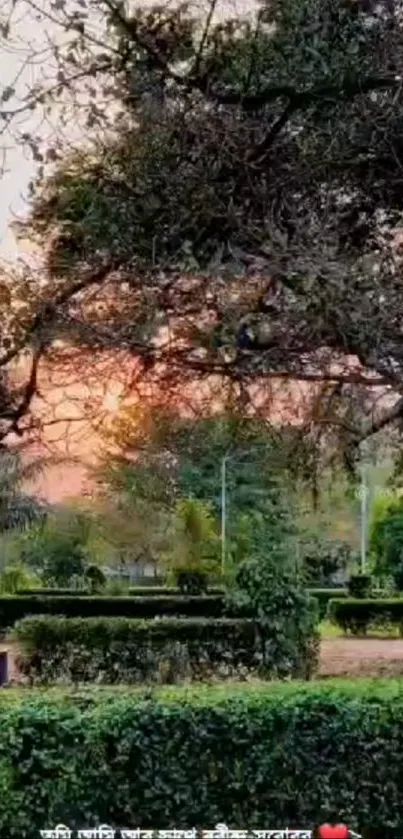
(17, 508)
(196, 541)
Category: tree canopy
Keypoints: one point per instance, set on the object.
(235, 208)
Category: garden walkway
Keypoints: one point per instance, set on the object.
(361, 657)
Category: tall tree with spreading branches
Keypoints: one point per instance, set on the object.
(234, 209)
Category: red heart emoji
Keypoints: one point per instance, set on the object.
(333, 831)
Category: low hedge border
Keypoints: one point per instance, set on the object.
(14, 608)
(324, 595)
(122, 650)
(171, 591)
(253, 758)
(53, 592)
(357, 615)
(133, 591)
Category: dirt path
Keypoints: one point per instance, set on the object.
(361, 657)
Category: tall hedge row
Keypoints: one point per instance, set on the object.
(141, 603)
(258, 758)
(13, 608)
(122, 650)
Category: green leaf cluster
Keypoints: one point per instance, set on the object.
(386, 538)
(278, 755)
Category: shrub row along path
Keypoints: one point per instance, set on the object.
(361, 657)
(339, 657)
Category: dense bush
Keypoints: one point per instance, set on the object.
(281, 755)
(95, 578)
(14, 608)
(123, 650)
(191, 581)
(14, 576)
(56, 548)
(358, 615)
(267, 589)
(322, 558)
(386, 538)
(359, 585)
(323, 595)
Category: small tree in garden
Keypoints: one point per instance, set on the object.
(95, 578)
(267, 587)
(18, 510)
(195, 555)
(386, 539)
(321, 558)
(14, 577)
(56, 550)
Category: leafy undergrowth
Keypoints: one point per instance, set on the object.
(206, 694)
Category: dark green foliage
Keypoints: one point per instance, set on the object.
(122, 650)
(323, 595)
(322, 558)
(359, 585)
(278, 756)
(191, 582)
(398, 576)
(358, 615)
(18, 510)
(387, 540)
(95, 578)
(56, 554)
(13, 608)
(267, 589)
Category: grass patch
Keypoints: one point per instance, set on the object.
(330, 630)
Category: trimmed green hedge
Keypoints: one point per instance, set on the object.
(13, 608)
(324, 595)
(246, 757)
(122, 650)
(134, 591)
(53, 592)
(167, 591)
(357, 615)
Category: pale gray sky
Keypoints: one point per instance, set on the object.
(23, 62)
(20, 69)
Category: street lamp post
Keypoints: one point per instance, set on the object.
(223, 511)
(364, 493)
(368, 458)
(224, 462)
